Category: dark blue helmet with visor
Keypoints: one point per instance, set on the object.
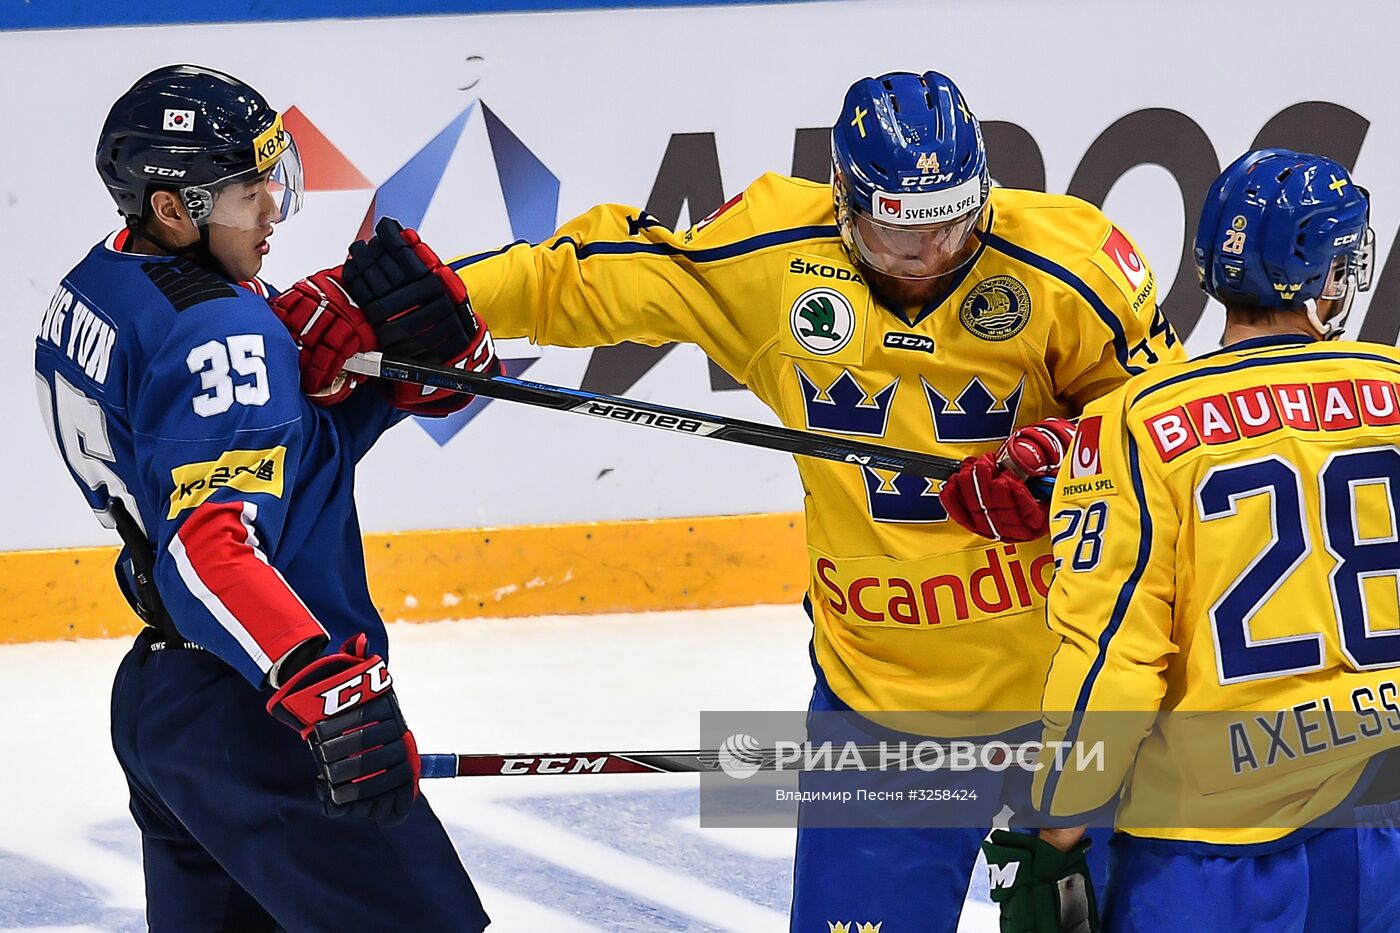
(197, 131)
(1284, 229)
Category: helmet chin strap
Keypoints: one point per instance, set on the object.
(1332, 328)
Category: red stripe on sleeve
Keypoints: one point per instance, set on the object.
(241, 589)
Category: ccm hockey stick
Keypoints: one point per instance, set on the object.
(930, 755)
(676, 762)
(663, 417)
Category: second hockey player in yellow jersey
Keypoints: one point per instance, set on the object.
(1226, 540)
(922, 309)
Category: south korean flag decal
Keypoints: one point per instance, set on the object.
(180, 121)
(1086, 448)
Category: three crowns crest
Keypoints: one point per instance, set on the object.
(976, 414)
(844, 408)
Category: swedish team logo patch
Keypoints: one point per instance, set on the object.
(823, 320)
(997, 309)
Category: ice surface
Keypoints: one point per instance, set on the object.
(549, 854)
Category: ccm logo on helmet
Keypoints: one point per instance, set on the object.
(357, 689)
(926, 181)
(164, 172)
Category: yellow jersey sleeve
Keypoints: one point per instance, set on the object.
(1111, 604)
(1122, 287)
(616, 273)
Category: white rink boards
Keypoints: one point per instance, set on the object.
(1135, 105)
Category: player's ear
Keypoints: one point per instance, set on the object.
(169, 217)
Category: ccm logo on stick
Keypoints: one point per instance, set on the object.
(561, 765)
(357, 689)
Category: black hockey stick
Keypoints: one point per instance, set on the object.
(663, 417)
(930, 755)
(648, 414)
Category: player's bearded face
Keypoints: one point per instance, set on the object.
(914, 252)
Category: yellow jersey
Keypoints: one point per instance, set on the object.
(1226, 538)
(1056, 308)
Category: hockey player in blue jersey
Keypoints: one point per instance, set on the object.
(173, 394)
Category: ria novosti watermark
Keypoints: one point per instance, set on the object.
(742, 756)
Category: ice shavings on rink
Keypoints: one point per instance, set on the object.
(549, 854)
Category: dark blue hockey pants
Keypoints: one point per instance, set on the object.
(232, 831)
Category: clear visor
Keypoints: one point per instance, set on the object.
(1351, 270)
(906, 252)
(251, 200)
(1350, 273)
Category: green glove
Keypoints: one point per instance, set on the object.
(1039, 888)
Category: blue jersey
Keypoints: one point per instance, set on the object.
(177, 392)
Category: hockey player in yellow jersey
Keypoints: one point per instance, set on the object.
(1225, 533)
(911, 303)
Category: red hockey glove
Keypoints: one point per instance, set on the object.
(419, 310)
(992, 502)
(344, 706)
(1037, 449)
(988, 495)
(328, 329)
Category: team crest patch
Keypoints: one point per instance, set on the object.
(823, 320)
(997, 309)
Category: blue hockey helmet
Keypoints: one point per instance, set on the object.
(1283, 229)
(195, 130)
(909, 174)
